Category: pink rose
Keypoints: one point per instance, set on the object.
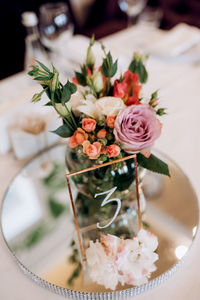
(101, 134)
(113, 150)
(92, 150)
(88, 124)
(137, 128)
(78, 138)
(110, 121)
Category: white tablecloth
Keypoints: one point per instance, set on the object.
(179, 84)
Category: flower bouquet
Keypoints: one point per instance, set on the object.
(107, 121)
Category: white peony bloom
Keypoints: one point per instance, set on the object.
(100, 264)
(148, 239)
(109, 106)
(114, 260)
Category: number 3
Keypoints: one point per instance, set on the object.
(106, 201)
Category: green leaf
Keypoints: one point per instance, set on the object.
(133, 66)
(137, 67)
(142, 73)
(48, 104)
(63, 131)
(34, 71)
(153, 163)
(56, 208)
(71, 86)
(68, 89)
(43, 66)
(81, 78)
(43, 78)
(161, 112)
(110, 60)
(104, 68)
(66, 95)
(154, 95)
(113, 69)
(84, 70)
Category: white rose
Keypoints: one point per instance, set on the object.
(109, 106)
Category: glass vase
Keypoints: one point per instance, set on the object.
(105, 198)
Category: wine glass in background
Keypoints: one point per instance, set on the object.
(132, 8)
(56, 30)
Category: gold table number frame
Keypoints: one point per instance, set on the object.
(68, 175)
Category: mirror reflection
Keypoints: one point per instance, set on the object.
(38, 226)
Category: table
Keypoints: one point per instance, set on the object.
(179, 92)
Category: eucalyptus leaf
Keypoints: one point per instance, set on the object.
(153, 163)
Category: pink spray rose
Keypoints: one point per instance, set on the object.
(78, 138)
(113, 150)
(101, 134)
(88, 124)
(92, 150)
(110, 121)
(136, 128)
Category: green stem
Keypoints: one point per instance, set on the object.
(54, 106)
(107, 85)
(72, 117)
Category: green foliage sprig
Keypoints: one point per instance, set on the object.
(58, 94)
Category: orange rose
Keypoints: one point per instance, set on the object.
(78, 138)
(92, 150)
(128, 89)
(113, 150)
(110, 121)
(101, 134)
(88, 124)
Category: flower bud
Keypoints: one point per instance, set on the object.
(97, 82)
(62, 109)
(54, 80)
(90, 59)
(36, 97)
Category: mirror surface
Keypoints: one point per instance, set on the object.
(38, 228)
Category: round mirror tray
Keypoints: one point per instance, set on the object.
(38, 228)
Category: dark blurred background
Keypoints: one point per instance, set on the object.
(102, 17)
